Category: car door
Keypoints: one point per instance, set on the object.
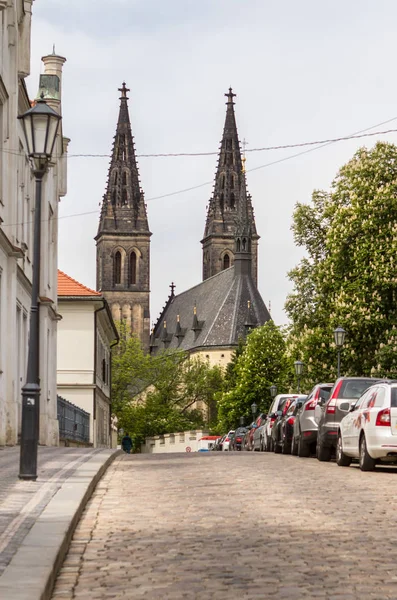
(350, 422)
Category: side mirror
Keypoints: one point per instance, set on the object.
(346, 406)
(352, 407)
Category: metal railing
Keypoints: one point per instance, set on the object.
(74, 422)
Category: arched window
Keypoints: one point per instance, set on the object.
(117, 268)
(222, 201)
(232, 200)
(232, 182)
(238, 245)
(124, 197)
(226, 261)
(114, 197)
(124, 178)
(223, 182)
(132, 271)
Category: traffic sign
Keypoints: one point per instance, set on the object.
(188, 449)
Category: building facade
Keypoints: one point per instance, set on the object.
(17, 205)
(86, 335)
(123, 239)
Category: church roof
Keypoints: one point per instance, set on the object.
(67, 286)
(216, 312)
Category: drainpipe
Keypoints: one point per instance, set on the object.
(95, 362)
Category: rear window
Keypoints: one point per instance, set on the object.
(393, 399)
(352, 389)
(325, 392)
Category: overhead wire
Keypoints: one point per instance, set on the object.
(318, 145)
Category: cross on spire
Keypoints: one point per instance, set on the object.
(124, 89)
(230, 96)
(172, 286)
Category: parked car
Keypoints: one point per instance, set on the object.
(254, 425)
(265, 434)
(304, 436)
(369, 429)
(246, 439)
(218, 444)
(328, 415)
(283, 426)
(256, 437)
(226, 441)
(237, 438)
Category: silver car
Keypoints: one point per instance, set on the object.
(304, 436)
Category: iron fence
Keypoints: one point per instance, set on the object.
(74, 422)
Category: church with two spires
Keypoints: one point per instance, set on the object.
(209, 318)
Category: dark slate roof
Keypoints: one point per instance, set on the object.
(227, 305)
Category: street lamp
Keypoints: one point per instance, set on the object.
(339, 335)
(40, 126)
(273, 391)
(254, 408)
(242, 421)
(298, 365)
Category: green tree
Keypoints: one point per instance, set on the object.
(262, 363)
(348, 276)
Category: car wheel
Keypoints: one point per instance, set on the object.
(323, 453)
(303, 449)
(285, 446)
(342, 460)
(294, 447)
(276, 447)
(366, 462)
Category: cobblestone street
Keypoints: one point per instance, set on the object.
(234, 525)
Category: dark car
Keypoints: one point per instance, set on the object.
(277, 429)
(329, 414)
(237, 439)
(305, 427)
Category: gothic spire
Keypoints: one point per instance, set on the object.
(229, 176)
(123, 199)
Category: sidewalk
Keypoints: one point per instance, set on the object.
(37, 518)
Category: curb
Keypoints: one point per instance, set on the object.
(33, 569)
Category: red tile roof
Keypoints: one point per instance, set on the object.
(67, 286)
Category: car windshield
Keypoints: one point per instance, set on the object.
(353, 388)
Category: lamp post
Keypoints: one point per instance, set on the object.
(298, 365)
(339, 336)
(40, 126)
(273, 391)
(254, 408)
(242, 421)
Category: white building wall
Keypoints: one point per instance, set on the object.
(82, 377)
(185, 441)
(17, 203)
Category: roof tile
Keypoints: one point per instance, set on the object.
(67, 286)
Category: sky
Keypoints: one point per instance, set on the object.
(302, 71)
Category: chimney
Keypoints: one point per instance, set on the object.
(51, 80)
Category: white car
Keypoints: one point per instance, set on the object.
(226, 441)
(369, 431)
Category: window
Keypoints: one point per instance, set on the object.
(104, 370)
(238, 245)
(124, 178)
(132, 268)
(232, 200)
(124, 197)
(115, 178)
(223, 182)
(117, 268)
(226, 261)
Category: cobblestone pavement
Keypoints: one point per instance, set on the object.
(22, 502)
(234, 525)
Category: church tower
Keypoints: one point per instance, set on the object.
(123, 238)
(223, 210)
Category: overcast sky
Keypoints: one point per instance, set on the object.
(302, 71)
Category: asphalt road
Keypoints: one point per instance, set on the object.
(235, 525)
